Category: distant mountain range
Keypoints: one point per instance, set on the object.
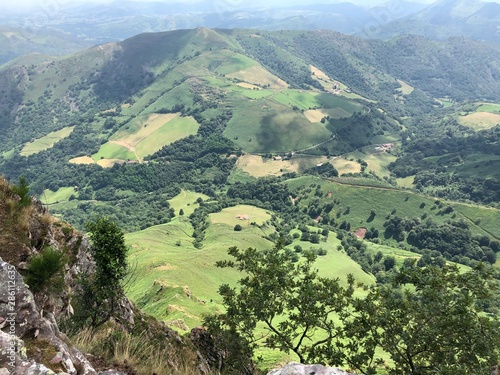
(72, 28)
(447, 18)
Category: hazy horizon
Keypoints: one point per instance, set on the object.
(51, 4)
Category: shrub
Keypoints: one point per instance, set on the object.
(45, 271)
(238, 228)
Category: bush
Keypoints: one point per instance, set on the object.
(238, 228)
(45, 271)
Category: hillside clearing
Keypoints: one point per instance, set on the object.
(45, 142)
(145, 136)
(256, 166)
(240, 214)
(480, 120)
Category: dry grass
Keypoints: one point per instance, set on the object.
(480, 120)
(82, 160)
(315, 115)
(259, 76)
(139, 352)
(255, 166)
(344, 166)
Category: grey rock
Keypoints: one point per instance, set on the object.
(294, 368)
(20, 318)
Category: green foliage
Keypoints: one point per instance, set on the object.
(22, 189)
(238, 228)
(430, 321)
(101, 289)
(289, 299)
(45, 271)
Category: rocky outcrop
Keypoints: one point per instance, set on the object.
(30, 343)
(294, 368)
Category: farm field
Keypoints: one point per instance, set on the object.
(484, 165)
(480, 120)
(186, 201)
(256, 166)
(406, 182)
(489, 107)
(377, 160)
(46, 142)
(271, 127)
(345, 166)
(241, 214)
(357, 202)
(145, 136)
(405, 88)
(62, 194)
(163, 254)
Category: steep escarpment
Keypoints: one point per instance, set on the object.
(38, 332)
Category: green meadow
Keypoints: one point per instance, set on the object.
(61, 195)
(45, 142)
(357, 203)
(271, 127)
(145, 135)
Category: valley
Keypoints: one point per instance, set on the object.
(364, 157)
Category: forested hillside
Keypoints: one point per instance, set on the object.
(373, 158)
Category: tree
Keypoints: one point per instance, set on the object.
(102, 289)
(294, 305)
(429, 321)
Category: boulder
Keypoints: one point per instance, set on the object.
(294, 368)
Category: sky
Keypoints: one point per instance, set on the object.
(54, 4)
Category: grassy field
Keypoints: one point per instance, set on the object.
(82, 160)
(62, 194)
(259, 76)
(344, 166)
(406, 182)
(357, 202)
(45, 142)
(186, 201)
(272, 127)
(229, 216)
(405, 88)
(484, 165)
(480, 120)
(178, 283)
(301, 99)
(377, 160)
(489, 107)
(256, 166)
(146, 135)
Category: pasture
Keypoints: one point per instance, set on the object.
(146, 135)
(377, 160)
(480, 120)
(45, 142)
(271, 127)
(82, 160)
(62, 194)
(186, 200)
(233, 215)
(484, 165)
(489, 107)
(256, 166)
(405, 88)
(344, 166)
(259, 76)
(355, 204)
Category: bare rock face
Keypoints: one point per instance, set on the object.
(294, 368)
(29, 343)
